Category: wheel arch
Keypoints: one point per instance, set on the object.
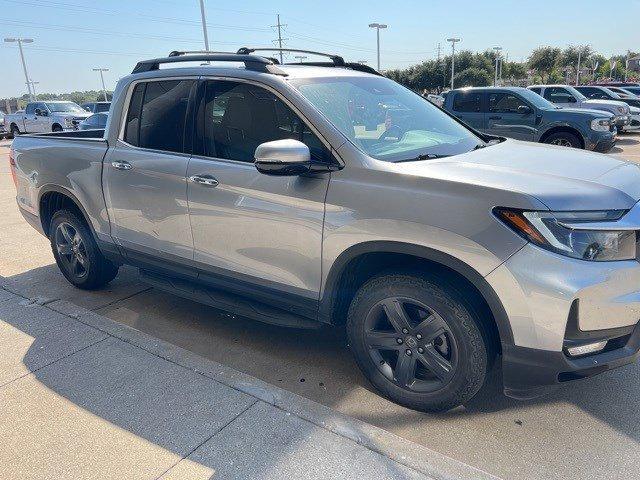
(56, 124)
(53, 198)
(362, 261)
(563, 129)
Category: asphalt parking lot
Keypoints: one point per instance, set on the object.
(588, 430)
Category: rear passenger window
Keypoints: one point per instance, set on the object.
(505, 103)
(157, 115)
(538, 90)
(238, 117)
(467, 102)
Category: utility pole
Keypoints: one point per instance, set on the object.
(104, 90)
(578, 69)
(439, 48)
(495, 80)
(453, 57)
(204, 26)
(20, 41)
(280, 39)
(378, 27)
(33, 89)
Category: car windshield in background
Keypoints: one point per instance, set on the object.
(575, 93)
(385, 120)
(537, 100)
(63, 107)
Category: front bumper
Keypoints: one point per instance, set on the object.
(622, 121)
(529, 373)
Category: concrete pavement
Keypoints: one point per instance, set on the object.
(82, 396)
(587, 430)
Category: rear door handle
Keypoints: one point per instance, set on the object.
(121, 165)
(206, 180)
(495, 118)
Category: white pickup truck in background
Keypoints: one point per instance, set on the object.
(42, 117)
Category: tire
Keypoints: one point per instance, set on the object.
(77, 254)
(56, 128)
(445, 371)
(15, 131)
(564, 139)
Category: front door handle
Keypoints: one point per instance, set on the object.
(495, 118)
(206, 180)
(121, 165)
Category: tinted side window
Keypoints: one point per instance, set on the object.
(238, 117)
(164, 110)
(31, 108)
(132, 126)
(467, 102)
(538, 90)
(505, 103)
(558, 95)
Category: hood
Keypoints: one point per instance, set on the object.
(582, 111)
(72, 115)
(561, 178)
(606, 103)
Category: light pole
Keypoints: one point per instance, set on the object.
(204, 26)
(453, 57)
(378, 26)
(301, 57)
(33, 89)
(495, 80)
(104, 90)
(20, 41)
(626, 65)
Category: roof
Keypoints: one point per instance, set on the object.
(475, 89)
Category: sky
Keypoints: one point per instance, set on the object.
(73, 36)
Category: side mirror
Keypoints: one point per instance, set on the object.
(283, 157)
(38, 112)
(524, 109)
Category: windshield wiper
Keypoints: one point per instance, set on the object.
(422, 156)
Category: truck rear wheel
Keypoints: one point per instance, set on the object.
(77, 254)
(418, 341)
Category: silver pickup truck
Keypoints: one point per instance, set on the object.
(324, 193)
(43, 117)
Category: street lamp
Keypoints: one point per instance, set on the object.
(495, 80)
(378, 26)
(301, 57)
(20, 41)
(453, 57)
(104, 90)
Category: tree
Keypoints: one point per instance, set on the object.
(473, 77)
(543, 60)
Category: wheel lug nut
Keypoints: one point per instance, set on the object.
(404, 330)
(420, 350)
(399, 340)
(408, 352)
(419, 337)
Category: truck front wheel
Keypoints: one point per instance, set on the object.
(15, 131)
(77, 254)
(56, 128)
(418, 341)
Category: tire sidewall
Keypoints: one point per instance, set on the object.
(573, 139)
(472, 352)
(93, 254)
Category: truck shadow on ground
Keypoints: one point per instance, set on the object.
(317, 364)
(110, 383)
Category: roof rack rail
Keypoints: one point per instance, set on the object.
(359, 67)
(251, 62)
(337, 60)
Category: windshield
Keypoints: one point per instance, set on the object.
(575, 92)
(65, 107)
(633, 90)
(385, 120)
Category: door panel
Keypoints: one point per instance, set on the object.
(144, 176)
(249, 224)
(504, 119)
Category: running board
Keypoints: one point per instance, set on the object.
(226, 301)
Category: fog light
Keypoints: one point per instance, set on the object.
(586, 349)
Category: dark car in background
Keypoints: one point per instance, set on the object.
(519, 113)
(97, 121)
(96, 107)
(597, 92)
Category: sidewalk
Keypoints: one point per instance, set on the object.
(84, 397)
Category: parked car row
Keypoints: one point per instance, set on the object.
(587, 117)
(55, 116)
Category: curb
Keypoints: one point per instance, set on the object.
(400, 450)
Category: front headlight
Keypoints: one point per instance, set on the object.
(601, 124)
(546, 230)
(621, 110)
